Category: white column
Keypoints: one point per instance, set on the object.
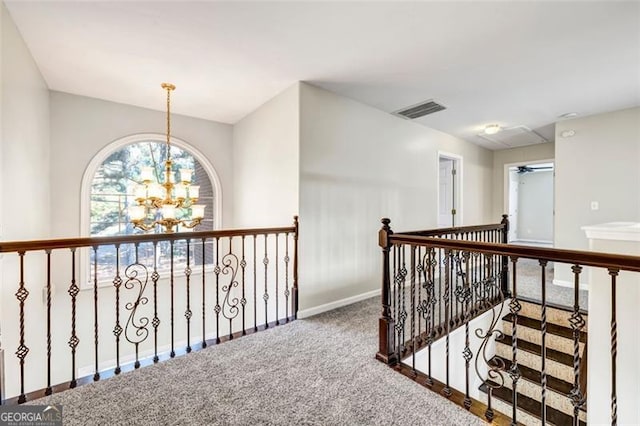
(619, 238)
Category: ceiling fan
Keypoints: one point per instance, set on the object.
(529, 169)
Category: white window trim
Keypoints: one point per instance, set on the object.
(98, 159)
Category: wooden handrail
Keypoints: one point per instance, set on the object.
(456, 230)
(579, 257)
(35, 245)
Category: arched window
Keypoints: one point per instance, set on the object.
(108, 191)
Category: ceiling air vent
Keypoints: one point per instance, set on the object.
(419, 110)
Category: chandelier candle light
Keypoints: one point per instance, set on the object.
(167, 203)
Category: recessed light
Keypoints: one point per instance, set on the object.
(492, 129)
(568, 115)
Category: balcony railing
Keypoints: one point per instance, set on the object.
(216, 286)
(436, 281)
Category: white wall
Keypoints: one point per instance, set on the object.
(266, 163)
(81, 127)
(24, 173)
(25, 140)
(357, 165)
(600, 163)
(535, 206)
(527, 154)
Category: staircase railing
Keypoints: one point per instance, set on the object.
(433, 283)
(112, 304)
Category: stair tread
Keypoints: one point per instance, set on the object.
(536, 324)
(552, 354)
(533, 376)
(530, 406)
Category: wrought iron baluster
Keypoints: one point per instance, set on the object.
(397, 281)
(286, 276)
(243, 301)
(420, 284)
(171, 282)
(543, 344)
(204, 307)
(446, 391)
(614, 347)
(277, 276)
(514, 371)
(73, 340)
(230, 308)
(255, 287)
(463, 296)
(577, 324)
(439, 291)
(137, 275)
(403, 283)
(117, 330)
(413, 309)
(48, 390)
(96, 374)
(217, 308)
(265, 296)
(492, 379)
(430, 306)
(22, 350)
(395, 295)
(187, 313)
(156, 321)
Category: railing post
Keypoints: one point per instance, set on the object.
(386, 352)
(294, 292)
(505, 261)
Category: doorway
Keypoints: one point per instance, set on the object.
(449, 190)
(530, 202)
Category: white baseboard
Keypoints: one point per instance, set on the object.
(569, 284)
(306, 313)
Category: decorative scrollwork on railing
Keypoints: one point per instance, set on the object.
(230, 264)
(494, 378)
(137, 276)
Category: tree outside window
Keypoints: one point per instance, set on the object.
(112, 192)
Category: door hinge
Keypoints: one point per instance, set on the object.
(453, 172)
(453, 211)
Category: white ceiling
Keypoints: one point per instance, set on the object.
(512, 63)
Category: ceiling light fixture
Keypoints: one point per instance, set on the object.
(166, 204)
(568, 115)
(492, 129)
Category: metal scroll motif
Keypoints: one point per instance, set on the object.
(494, 379)
(137, 276)
(463, 295)
(427, 306)
(230, 304)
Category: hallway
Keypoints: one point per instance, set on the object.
(316, 371)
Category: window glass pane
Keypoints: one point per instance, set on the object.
(111, 196)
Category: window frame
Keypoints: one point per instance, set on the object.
(100, 157)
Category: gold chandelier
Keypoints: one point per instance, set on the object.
(166, 204)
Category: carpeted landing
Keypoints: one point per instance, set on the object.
(317, 371)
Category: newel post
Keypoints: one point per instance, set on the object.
(294, 292)
(505, 260)
(385, 323)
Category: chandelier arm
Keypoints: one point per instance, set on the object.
(192, 224)
(140, 224)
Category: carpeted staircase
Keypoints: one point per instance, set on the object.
(559, 366)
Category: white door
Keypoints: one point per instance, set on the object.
(446, 202)
(513, 204)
